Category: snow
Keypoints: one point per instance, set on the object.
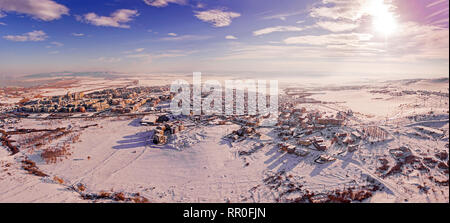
(199, 164)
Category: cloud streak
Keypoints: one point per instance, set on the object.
(230, 37)
(34, 36)
(337, 26)
(340, 9)
(186, 38)
(330, 39)
(217, 17)
(164, 3)
(109, 59)
(117, 19)
(269, 30)
(78, 34)
(46, 10)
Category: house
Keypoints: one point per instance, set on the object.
(287, 147)
(148, 120)
(319, 127)
(318, 139)
(329, 121)
(348, 140)
(324, 159)
(163, 118)
(356, 134)
(302, 152)
(320, 146)
(181, 127)
(306, 142)
(290, 149)
(159, 139)
(285, 127)
(303, 117)
(286, 133)
(341, 134)
(352, 148)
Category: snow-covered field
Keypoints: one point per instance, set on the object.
(201, 165)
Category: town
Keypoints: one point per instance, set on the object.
(311, 141)
(120, 100)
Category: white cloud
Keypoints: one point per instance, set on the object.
(57, 44)
(439, 12)
(217, 17)
(230, 37)
(410, 41)
(277, 29)
(337, 26)
(330, 39)
(351, 10)
(442, 22)
(54, 44)
(258, 52)
(341, 9)
(138, 50)
(412, 44)
(109, 59)
(172, 34)
(78, 34)
(2, 14)
(138, 56)
(157, 56)
(146, 57)
(295, 53)
(37, 35)
(168, 55)
(164, 3)
(46, 10)
(283, 16)
(186, 38)
(421, 41)
(116, 19)
(200, 5)
(2, 24)
(436, 3)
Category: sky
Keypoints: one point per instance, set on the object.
(299, 38)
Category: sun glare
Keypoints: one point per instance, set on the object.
(383, 19)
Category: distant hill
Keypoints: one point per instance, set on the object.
(440, 80)
(73, 74)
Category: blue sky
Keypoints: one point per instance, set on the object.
(311, 37)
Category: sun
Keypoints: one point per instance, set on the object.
(385, 24)
(383, 19)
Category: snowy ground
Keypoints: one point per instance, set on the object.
(200, 165)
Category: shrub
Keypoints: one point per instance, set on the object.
(81, 187)
(58, 180)
(31, 168)
(119, 196)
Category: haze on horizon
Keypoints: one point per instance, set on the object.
(370, 38)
